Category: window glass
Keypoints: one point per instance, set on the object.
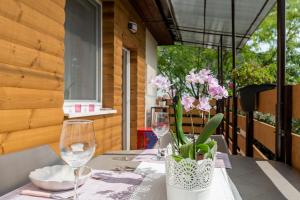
(81, 50)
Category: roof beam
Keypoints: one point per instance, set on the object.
(210, 33)
(204, 19)
(205, 44)
(256, 17)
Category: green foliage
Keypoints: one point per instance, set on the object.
(210, 128)
(266, 118)
(176, 61)
(256, 64)
(181, 138)
(177, 158)
(208, 149)
(203, 144)
(187, 151)
(251, 73)
(263, 44)
(270, 119)
(296, 126)
(205, 150)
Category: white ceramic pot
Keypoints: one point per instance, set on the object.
(187, 179)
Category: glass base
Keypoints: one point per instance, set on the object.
(158, 158)
(124, 158)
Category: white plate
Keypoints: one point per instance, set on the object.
(58, 177)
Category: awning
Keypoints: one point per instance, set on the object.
(203, 22)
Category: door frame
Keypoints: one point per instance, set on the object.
(126, 99)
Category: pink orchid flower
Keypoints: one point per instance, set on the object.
(218, 92)
(204, 104)
(188, 103)
(161, 82)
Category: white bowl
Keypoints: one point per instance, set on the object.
(58, 177)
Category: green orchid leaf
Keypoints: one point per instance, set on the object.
(187, 151)
(205, 150)
(181, 137)
(177, 158)
(202, 148)
(211, 143)
(210, 128)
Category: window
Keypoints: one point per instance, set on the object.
(82, 55)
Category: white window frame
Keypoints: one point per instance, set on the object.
(69, 105)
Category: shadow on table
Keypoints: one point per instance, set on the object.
(107, 177)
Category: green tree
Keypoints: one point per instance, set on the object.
(176, 61)
(263, 44)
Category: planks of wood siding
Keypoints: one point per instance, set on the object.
(241, 121)
(31, 73)
(28, 37)
(295, 100)
(31, 85)
(46, 117)
(136, 44)
(295, 151)
(47, 8)
(242, 143)
(265, 134)
(12, 76)
(258, 154)
(107, 122)
(267, 101)
(14, 120)
(20, 12)
(17, 55)
(133, 101)
(187, 120)
(61, 3)
(20, 98)
(16, 141)
(108, 54)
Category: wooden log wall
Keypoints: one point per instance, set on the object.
(136, 43)
(32, 71)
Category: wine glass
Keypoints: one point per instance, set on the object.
(160, 126)
(77, 145)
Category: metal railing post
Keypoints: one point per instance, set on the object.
(234, 98)
(280, 112)
(218, 102)
(287, 124)
(222, 83)
(249, 133)
(227, 121)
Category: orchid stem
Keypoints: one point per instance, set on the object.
(193, 134)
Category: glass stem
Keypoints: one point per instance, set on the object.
(76, 174)
(158, 149)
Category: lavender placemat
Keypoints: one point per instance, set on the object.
(111, 185)
(222, 161)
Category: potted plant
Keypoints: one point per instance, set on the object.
(190, 160)
(252, 79)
